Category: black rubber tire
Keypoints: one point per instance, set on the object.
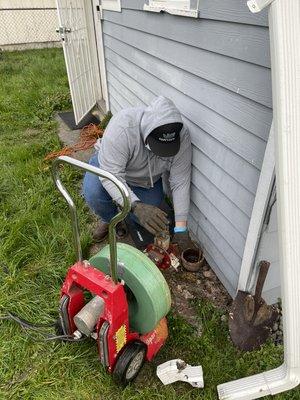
(58, 328)
(132, 352)
(59, 331)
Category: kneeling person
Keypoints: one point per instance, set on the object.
(139, 145)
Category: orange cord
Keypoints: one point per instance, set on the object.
(88, 137)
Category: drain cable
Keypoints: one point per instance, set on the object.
(26, 325)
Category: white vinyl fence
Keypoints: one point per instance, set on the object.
(28, 24)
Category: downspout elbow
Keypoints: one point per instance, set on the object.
(267, 383)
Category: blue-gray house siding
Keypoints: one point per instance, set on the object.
(217, 71)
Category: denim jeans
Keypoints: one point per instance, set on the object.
(100, 201)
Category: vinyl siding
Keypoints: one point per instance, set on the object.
(217, 71)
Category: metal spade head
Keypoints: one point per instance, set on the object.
(250, 318)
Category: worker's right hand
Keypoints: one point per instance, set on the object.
(150, 217)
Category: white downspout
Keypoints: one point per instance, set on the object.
(284, 24)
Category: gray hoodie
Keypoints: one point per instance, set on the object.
(122, 152)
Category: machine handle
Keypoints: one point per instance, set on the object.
(112, 225)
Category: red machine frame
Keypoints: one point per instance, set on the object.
(82, 276)
(112, 330)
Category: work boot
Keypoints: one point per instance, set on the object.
(100, 232)
(121, 230)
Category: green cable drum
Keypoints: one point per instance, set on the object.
(149, 296)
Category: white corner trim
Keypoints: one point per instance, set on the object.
(101, 56)
(171, 10)
(263, 192)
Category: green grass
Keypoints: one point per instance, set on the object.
(36, 249)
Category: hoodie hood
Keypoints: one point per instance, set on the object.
(160, 111)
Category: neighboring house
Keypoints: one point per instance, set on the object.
(213, 62)
(27, 24)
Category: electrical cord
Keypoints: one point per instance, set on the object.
(26, 325)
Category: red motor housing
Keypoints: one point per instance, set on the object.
(112, 331)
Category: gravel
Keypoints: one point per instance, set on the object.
(277, 331)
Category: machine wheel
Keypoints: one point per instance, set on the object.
(129, 362)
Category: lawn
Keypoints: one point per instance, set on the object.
(36, 250)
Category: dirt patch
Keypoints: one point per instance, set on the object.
(188, 286)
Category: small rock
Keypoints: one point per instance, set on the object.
(208, 274)
(198, 331)
(187, 295)
(224, 318)
(208, 287)
(198, 282)
(188, 276)
(275, 327)
(179, 287)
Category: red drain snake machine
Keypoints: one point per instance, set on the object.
(119, 297)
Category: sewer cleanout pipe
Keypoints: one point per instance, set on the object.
(284, 25)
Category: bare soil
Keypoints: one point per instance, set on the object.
(186, 286)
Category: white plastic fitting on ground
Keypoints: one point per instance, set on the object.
(284, 24)
(177, 370)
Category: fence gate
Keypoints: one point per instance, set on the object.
(78, 38)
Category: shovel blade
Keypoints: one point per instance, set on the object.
(248, 329)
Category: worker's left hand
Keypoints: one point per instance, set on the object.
(183, 240)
